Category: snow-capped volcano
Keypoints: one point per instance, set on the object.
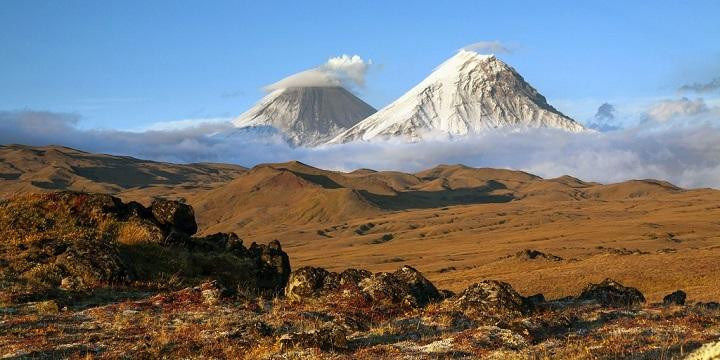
(467, 93)
(307, 116)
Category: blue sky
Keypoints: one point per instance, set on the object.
(129, 64)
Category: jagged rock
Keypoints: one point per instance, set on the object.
(174, 215)
(611, 293)
(528, 254)
(274, 265)
(490, 298)
(328, 338)
(676, 298)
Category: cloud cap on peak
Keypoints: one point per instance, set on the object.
(344, 70)
(489, 47)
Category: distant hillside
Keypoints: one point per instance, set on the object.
(233, 198)
(46, 168)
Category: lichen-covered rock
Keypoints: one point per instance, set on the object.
(676, 298)
(174, 215)
(386, 287)
(489, 298)
(328, 338)
(404, 286)
(612, 293)
(353, 276)
(306, 282)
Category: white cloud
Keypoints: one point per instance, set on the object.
(674, 108)
(489, 47)
(344, 70)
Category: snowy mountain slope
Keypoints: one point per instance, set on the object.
(467, 93)
(307, 116)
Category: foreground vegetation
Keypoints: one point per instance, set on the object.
(87, 276)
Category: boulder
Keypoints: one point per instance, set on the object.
(174, 215)
(611, 293)
(406, 285)
(676, 298)
(306, 282)
(273, 263)
(489, 298)
(421, 289)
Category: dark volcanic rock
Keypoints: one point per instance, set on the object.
(174, 215)
(611, 293)
(489, 298)
(274, 265)
(676, 298)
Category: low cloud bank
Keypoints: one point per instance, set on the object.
(685, 152)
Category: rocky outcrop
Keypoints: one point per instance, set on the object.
(676, 298)
(612, 293)
(404, 286)
(77, 241)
